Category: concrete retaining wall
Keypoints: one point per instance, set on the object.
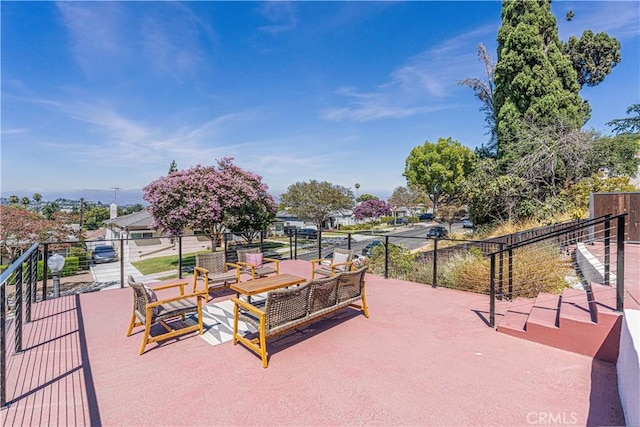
(590, 266)
(628, 367)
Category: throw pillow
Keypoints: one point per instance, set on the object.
(152, 297)
(255, 259)
(339, 258)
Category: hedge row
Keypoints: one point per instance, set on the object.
(71, 267)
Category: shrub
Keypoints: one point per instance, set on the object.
(401, 261)
(364, 226)
(537, 268)
(71, 268)
(83, 256)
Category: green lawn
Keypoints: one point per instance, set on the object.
(170, 262)
(165, 263)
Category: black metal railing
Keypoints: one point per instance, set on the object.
(22, 271)
(561, 238)
(417, 258)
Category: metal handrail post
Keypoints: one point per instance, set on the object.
(319, 243)
(434, 280)
(386, 257)
(500, 272)
(27, 311)
(121, 262)
(510, 272)
(180, 254)
(18, 311)
(34, 275)
(45, 272)
(620, 264)
(492, 292)
(3, 345)
(290, 246)
(607, 252)
(262, 241)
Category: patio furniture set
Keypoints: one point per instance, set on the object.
(289, 300)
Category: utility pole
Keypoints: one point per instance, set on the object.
(81, 212)
(115, 193)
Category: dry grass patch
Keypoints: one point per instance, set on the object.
(537, 268)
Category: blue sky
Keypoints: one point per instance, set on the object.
(97, 95)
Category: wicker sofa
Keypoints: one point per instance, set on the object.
(285, 309)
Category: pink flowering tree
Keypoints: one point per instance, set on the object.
(372, 208)
(20, 228)
(207, 199)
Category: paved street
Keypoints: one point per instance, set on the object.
(410, 236)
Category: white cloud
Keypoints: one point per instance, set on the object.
(620, 19)
(282, 15)
(118, 140)
(98, 33)
(14, 131)
(113, 38)
(171, 52)
(420, 85)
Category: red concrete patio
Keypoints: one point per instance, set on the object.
(425, 357)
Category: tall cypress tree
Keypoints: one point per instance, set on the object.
(535, 81)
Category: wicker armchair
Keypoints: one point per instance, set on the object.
(149, 310)
(257, 269)
(342, 261)
(221, 273)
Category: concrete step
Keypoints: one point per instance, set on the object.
(515, 319)
(566, 322)
(575, 307)
(603, 299)
(544, 313)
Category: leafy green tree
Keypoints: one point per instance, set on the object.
(439, 169)
(492, 195)
(579, 194)
(173, 167)
(248, 220)
(25, 201)
(94, 217)
(37, 199)
(316, 201)
(534, 80)
(616, 155)
(408, 197)
(629, 124)
(126, 210)
(366, 196)
(593, 56)
(14, 200)
(50, 209)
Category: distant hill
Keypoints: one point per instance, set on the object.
(124, 197)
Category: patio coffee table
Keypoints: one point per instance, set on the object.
(266, 284)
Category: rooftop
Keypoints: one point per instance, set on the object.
(424, 357)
